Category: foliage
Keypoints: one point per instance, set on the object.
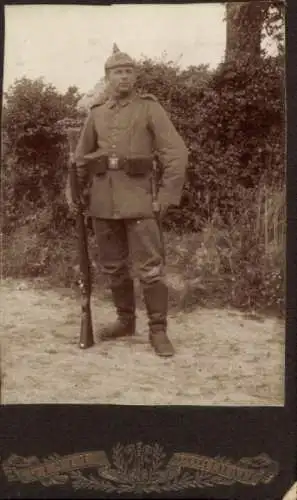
(34, 148)
(250, 23)
(274, 24)
(240, 264)
(233, 125)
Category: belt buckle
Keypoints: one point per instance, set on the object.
(113, 162)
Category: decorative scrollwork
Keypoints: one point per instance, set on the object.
(140, 468)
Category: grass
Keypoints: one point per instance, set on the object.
(240, 263)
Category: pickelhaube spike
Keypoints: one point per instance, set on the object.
(115, 48)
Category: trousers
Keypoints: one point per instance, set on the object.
(129, 243)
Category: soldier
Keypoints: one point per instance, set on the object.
(115, 153)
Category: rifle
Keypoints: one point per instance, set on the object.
(86, 338)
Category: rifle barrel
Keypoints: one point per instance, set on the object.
(86, 337)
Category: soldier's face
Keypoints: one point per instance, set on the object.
(121, 79)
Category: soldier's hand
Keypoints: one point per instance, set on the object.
(160, 209)
(81, 172)
(76, 208)
(74, 211)
(73, 208)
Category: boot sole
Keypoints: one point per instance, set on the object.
(163, 354)
(167, 355)
(105, 334)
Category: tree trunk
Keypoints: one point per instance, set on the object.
(244, 21)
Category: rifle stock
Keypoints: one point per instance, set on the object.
(86, 338)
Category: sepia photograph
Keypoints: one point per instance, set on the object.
(143, 238)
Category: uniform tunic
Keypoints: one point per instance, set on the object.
(134, 127)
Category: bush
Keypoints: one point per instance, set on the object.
(233, 125)
(35, 157)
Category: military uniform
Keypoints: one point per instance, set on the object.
(115, 152)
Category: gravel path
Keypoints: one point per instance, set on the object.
(223, 357)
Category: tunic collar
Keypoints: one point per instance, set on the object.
(121, 102)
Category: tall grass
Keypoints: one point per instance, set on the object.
(270, 224)
(239, 263)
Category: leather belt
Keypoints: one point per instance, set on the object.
(115, 163)
(136, 165)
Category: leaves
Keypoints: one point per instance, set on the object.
(35, 153)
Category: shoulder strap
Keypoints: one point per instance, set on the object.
(99, 102)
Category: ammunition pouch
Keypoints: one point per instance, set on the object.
(136, 166)
(98, 166)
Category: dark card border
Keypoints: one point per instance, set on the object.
(235, 433)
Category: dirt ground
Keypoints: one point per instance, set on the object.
(223, 356)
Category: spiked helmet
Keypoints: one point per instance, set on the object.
(117, 59)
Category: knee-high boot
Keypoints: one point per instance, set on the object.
(156, 301)
(124, 301)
